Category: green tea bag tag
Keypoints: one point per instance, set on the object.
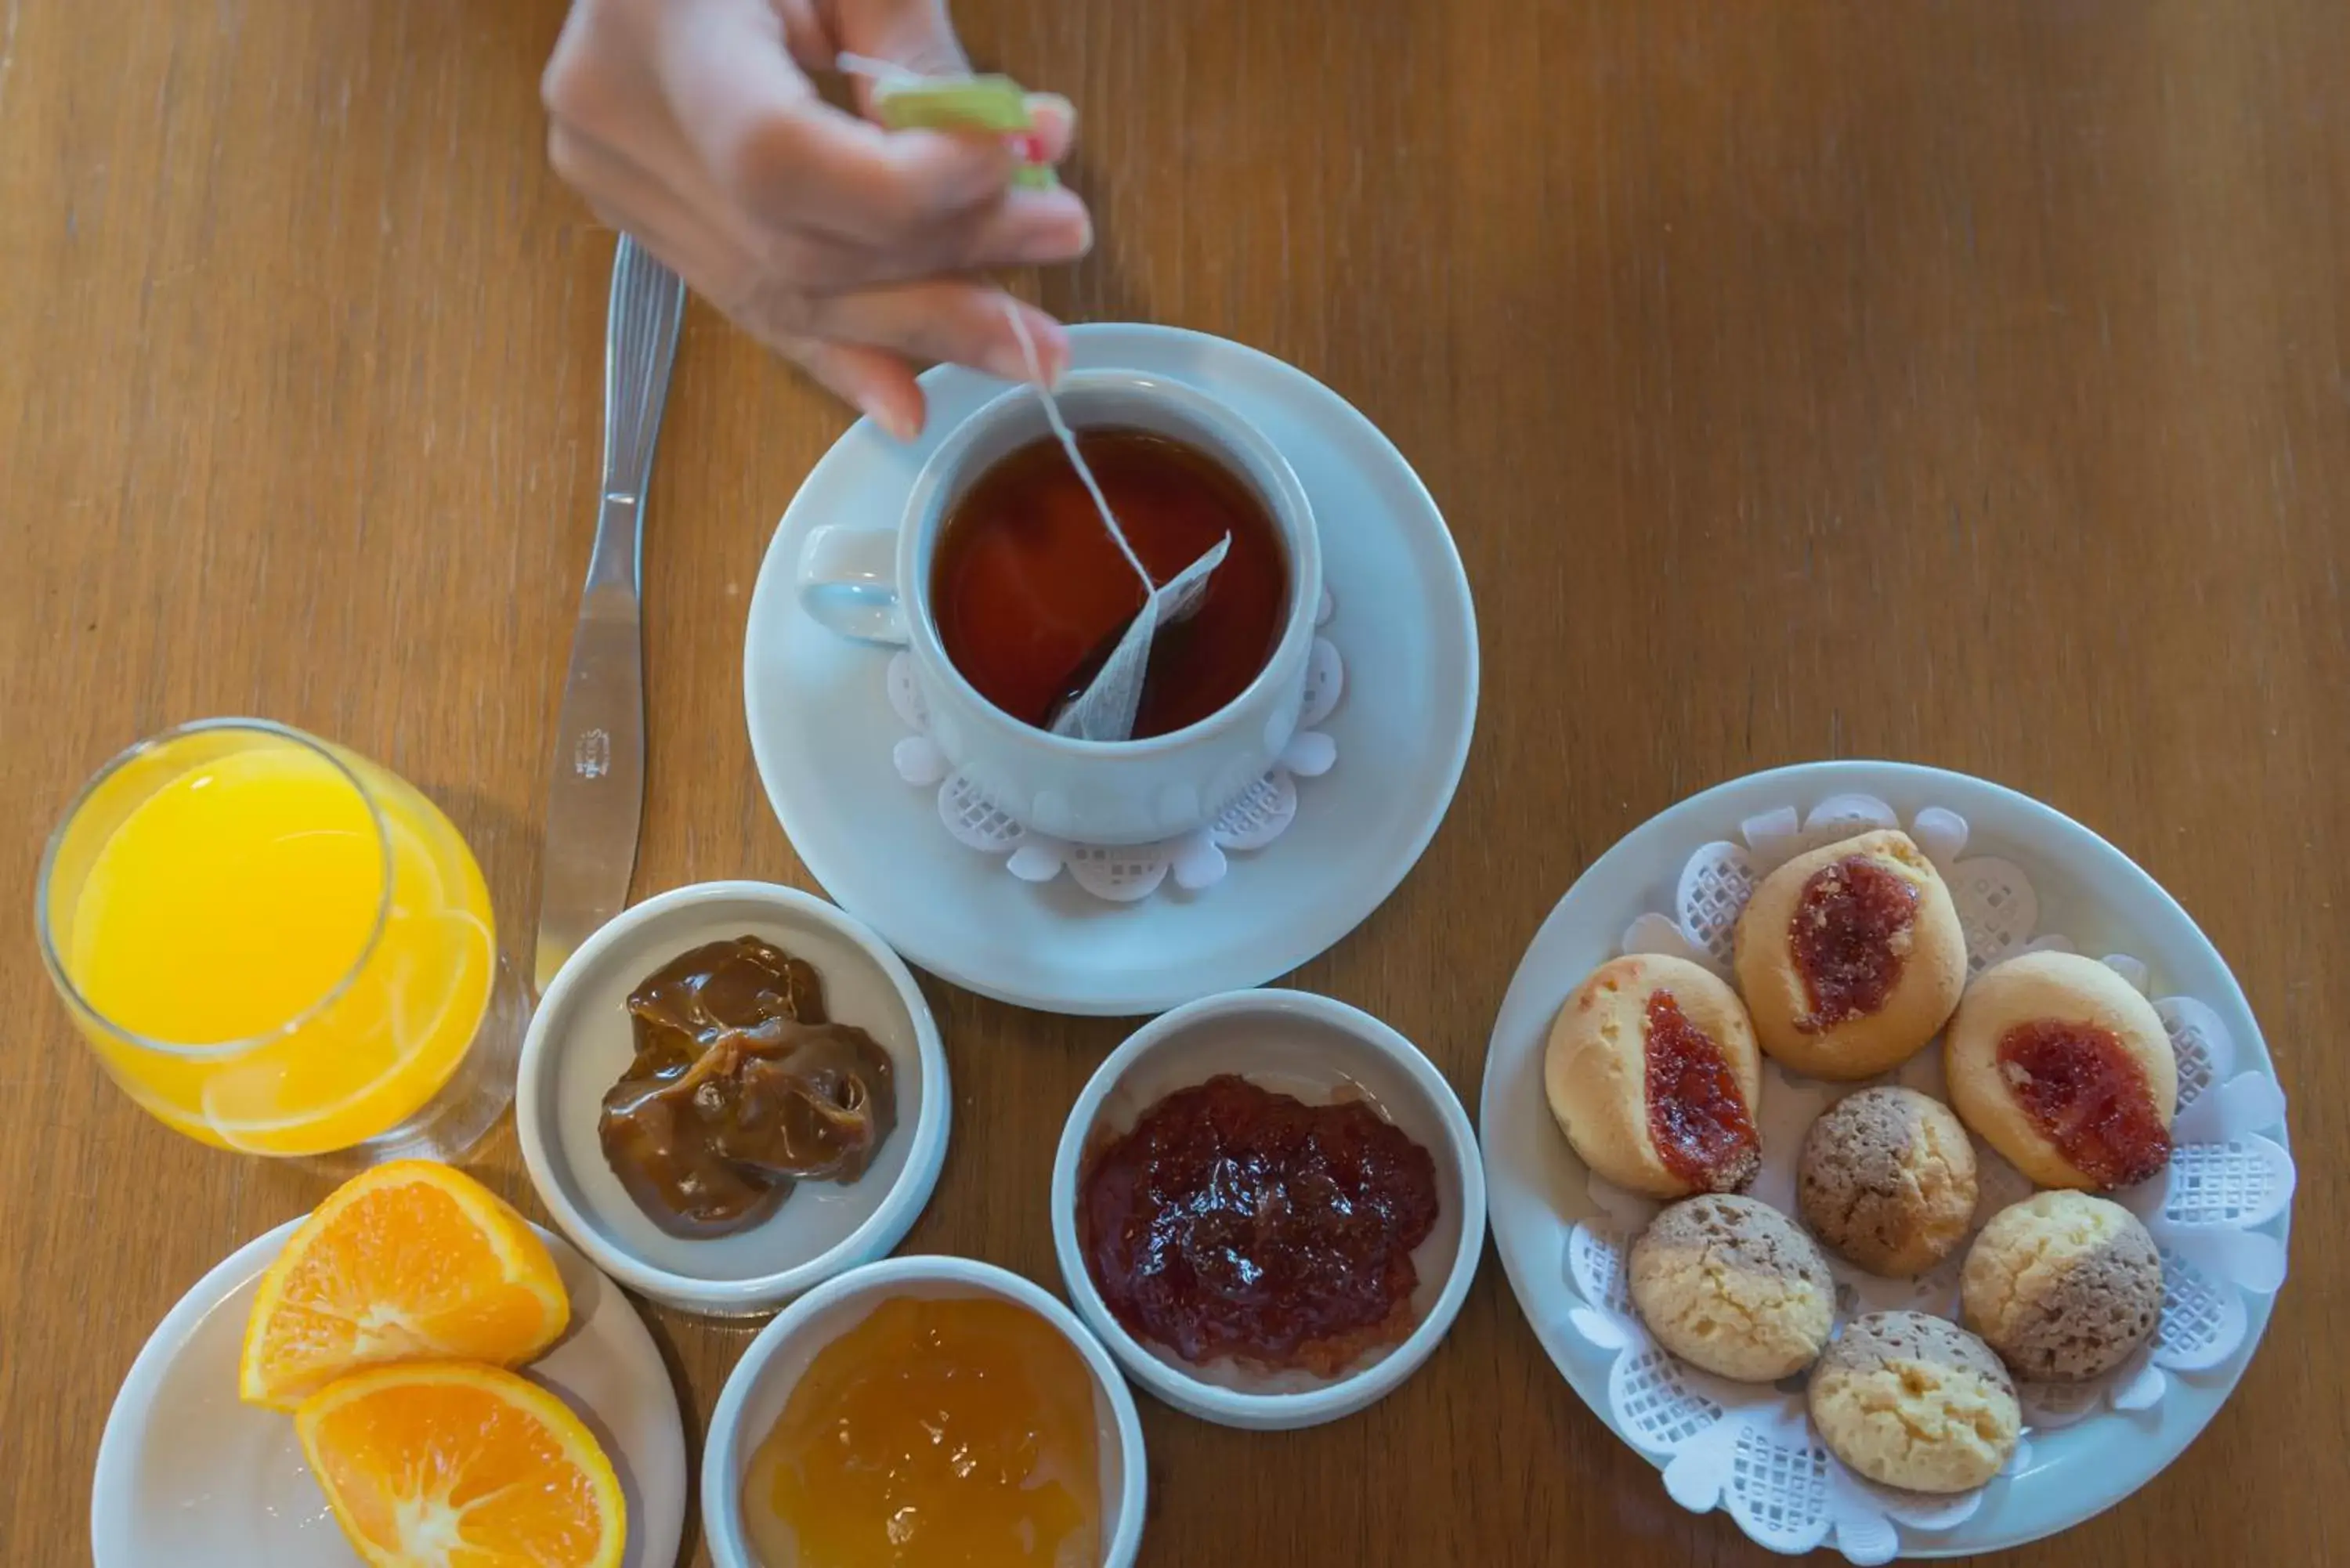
(990, 104)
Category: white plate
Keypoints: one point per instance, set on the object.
(822, 730)
(1535, 1189)
(190, 1475)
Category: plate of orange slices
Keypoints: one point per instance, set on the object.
(411, 1375)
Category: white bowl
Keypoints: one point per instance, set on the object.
(1311, 1047)
(580, 1043)
(761, 1382)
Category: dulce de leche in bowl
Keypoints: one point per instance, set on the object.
(740, 1088)
(733, 1092)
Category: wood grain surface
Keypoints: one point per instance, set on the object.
(1967, 383)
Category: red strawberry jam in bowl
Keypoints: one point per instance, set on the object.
(1269, 1206)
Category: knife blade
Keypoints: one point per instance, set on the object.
(596, 788)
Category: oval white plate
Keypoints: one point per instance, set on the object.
(2088, 889)
(190, 1475)
(822, 730)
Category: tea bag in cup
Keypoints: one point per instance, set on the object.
(1104, 707)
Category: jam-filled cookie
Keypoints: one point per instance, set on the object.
(2064, 1286)
(1732, 1286)
(1652, 1073)
(1888, 1179)
(1915, 1402)
(1851, 957)
(2061, 1065)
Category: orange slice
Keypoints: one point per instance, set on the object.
(409, 1262)
(456, 1465)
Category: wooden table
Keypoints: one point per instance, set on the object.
(1963, 383)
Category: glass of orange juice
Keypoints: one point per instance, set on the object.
(278, 947)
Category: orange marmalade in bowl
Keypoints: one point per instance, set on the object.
(957, 1431)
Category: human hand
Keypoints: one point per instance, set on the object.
(692, 125)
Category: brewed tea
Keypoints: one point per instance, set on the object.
(1031, 593)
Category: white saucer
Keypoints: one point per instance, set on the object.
(190, 1475)
(822, 730)
(1537, 1188)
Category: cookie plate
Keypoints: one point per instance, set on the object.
(1538, 1190)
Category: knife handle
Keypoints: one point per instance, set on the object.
(640, 345)
(596, 794)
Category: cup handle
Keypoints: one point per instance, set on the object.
(848, 582)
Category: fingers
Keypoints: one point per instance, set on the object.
(1023, 228)
(942, 320)
(874, 380)
(805, 34)
(786, 156)
(681, 237)
(863, 346)
(947, 321)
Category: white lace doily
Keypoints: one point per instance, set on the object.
(1750, 1447)
(1123, 873)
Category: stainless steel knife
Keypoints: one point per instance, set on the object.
(596, 792)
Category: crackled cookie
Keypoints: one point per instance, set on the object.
(1652, 1074)
(1732, 1286)
(1916, 1402)
(1887, 1179)
(1851, 957)
(2064, 1286)
(2061, 1065)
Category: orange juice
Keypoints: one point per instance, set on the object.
(274, 946)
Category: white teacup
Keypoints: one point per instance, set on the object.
(874, 584)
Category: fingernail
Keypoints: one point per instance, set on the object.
(1055, 119)
(1005, 360)
(893, 423)
(1054, 350)
(986, 163)
(1063, 237)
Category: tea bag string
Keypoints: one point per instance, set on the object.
(1070, 445)
(889, 71)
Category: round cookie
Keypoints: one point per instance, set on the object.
(1851, 957)
(1887, 1179)
(2064, 1286)
(1916, 1402)
(2061, 1065)
(1732, 1286)
(1652, 1074)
